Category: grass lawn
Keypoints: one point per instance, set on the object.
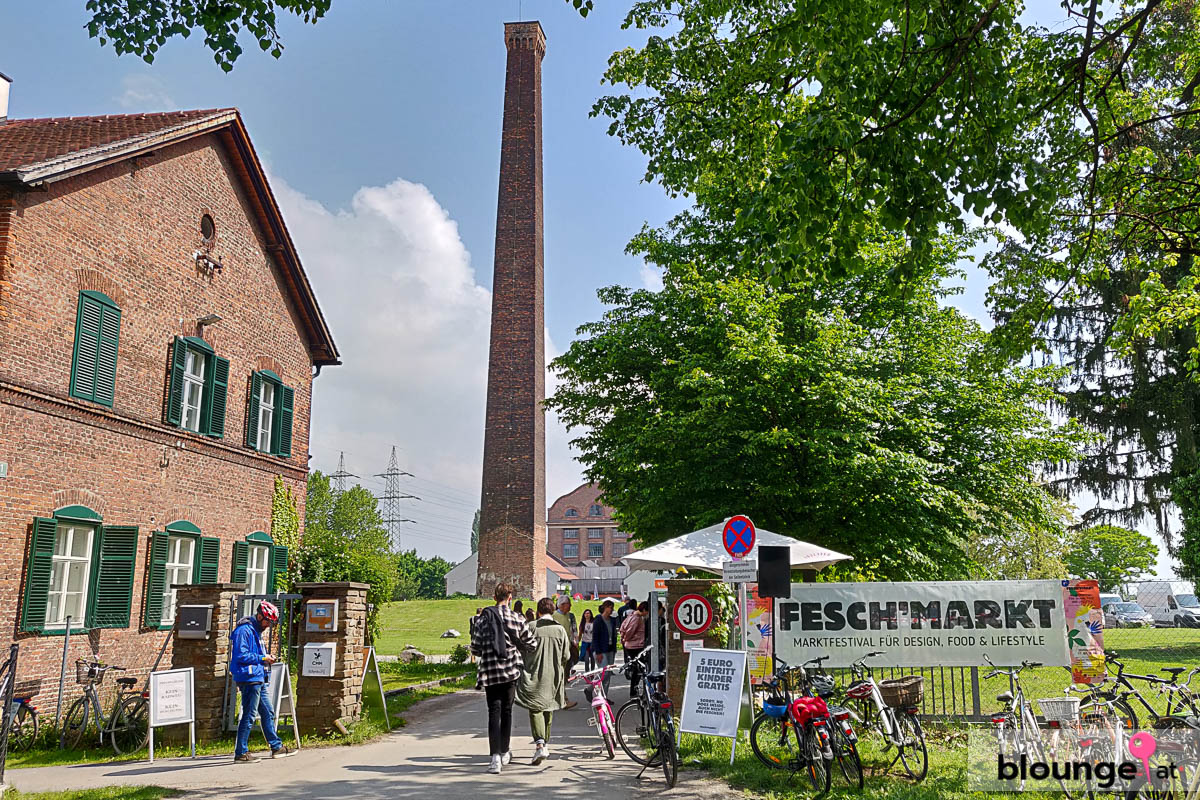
(397, 675)
(421, 623)
(370, 727)
(107, 793)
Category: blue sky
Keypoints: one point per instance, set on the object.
(380, 127)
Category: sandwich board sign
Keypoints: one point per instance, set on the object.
(172, 702)
(281, 696)
(712, 695)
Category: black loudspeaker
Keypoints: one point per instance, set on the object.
(774, 571)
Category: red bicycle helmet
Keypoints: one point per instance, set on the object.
(269, 612)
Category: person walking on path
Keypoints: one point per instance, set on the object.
(564, 617)
(250, 665)
(628, 608)
(604, 643)
(633, 642)
(500, 638)
(586, 656)
(543, 684)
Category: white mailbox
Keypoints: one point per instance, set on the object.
(318, 659)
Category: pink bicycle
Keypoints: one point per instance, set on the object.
(603, 719)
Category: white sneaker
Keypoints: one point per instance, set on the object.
(541, 753)
(496, 764)
(506, 759)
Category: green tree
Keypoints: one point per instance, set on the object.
(1111, 555)
(835, 412)
(345, 540)
(285, 528)
(141, 27)
(423, 578)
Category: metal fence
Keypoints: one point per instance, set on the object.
(1137, 651)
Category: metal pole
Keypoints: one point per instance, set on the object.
(62, 676)
(151, 744)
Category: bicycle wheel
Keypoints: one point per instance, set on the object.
(634, 734)
(913, 754)
(1117, 710)
(130, 725)
(845, 755)
(775, 741)
(75, 724)
(24, 731)
(608, 727)
(813, 763)
(670, 760)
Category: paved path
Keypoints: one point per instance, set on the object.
(442, 749)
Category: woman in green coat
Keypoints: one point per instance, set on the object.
(542, 687)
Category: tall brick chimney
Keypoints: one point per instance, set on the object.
(512, 519)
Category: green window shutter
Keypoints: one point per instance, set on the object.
(106, 358)
(37, 575)
(282, 438)
(156, 581)
(210, 559)
(279, 565)
(175, 394)
(87, 348)
(216, 389)
(241, 557)
(112, 591)
(252, 410)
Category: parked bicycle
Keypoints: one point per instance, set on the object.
(843, 739)
(25, 726)
(1180, 699)
(603, 719)
(645, 724)
(790, 732)
(1182, 783)
(127, 723)
(890, 709)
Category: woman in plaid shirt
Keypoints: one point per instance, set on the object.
(498, 639)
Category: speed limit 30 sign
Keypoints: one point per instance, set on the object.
(693, 614)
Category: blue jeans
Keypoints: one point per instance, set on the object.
(254, 697)
(586, 657)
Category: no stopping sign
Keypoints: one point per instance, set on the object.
(693, 614)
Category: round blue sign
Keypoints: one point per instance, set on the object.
(738, 536)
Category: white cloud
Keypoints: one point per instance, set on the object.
(400, 295)
(651, 277)
(145, 93)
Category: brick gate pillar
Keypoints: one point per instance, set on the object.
(322, 702)
(209, 657)
(676, 658)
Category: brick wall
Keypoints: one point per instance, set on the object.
(512, 522)
(130, 230)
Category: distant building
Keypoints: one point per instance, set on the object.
(461, 579)
(581, 531)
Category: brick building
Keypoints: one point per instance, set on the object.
(581, 528)
(158, 339)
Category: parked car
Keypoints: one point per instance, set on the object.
(1107, 600)
(1126, 615)
(1172, 604)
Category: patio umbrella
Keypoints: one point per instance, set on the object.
(703, 550)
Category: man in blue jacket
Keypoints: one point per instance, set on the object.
(250, 667)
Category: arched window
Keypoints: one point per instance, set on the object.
(571, 513)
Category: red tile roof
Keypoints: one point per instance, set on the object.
(25, 142)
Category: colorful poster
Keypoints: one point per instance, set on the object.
(758, 636)
(1085, 630)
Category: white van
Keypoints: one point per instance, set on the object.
(1172, 604)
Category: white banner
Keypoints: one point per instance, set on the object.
(171, 697)
(712, 696)
(924, 624)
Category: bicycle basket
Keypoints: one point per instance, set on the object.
(87, 672)
(775, 707)
(1061, 709)
(903, 692)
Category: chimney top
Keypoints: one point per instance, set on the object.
(525, 36)
(4, 84)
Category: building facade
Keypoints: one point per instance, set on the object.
(158, 339)
(580, 528)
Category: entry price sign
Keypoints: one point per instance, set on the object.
(693, 614)
(712, 696)
(738, 536)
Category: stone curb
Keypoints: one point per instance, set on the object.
(427, 685)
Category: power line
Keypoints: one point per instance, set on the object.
(392, 495)
(339, 477)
